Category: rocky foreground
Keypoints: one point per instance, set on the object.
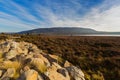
(24, 61)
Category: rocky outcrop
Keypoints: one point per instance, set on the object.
(24, 61)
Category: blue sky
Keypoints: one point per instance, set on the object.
(20, 15)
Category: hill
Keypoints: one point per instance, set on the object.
(66, 31)
(61, 30)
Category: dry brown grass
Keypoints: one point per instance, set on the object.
(89, 53)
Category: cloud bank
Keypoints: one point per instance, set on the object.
(17, 17)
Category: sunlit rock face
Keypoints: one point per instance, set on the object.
(24, 61)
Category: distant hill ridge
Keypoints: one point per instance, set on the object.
(65, 31)
(60, 30)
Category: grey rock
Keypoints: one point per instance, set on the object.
(63, 71)
(75, 73)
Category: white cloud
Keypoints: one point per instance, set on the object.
(104, 17)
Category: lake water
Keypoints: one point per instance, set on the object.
(111, 35)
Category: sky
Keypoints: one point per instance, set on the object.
(20, 15)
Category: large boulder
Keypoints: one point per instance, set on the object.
(56, 72)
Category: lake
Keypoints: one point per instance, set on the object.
(111, 35)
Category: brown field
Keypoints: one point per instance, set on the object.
(98, 57)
